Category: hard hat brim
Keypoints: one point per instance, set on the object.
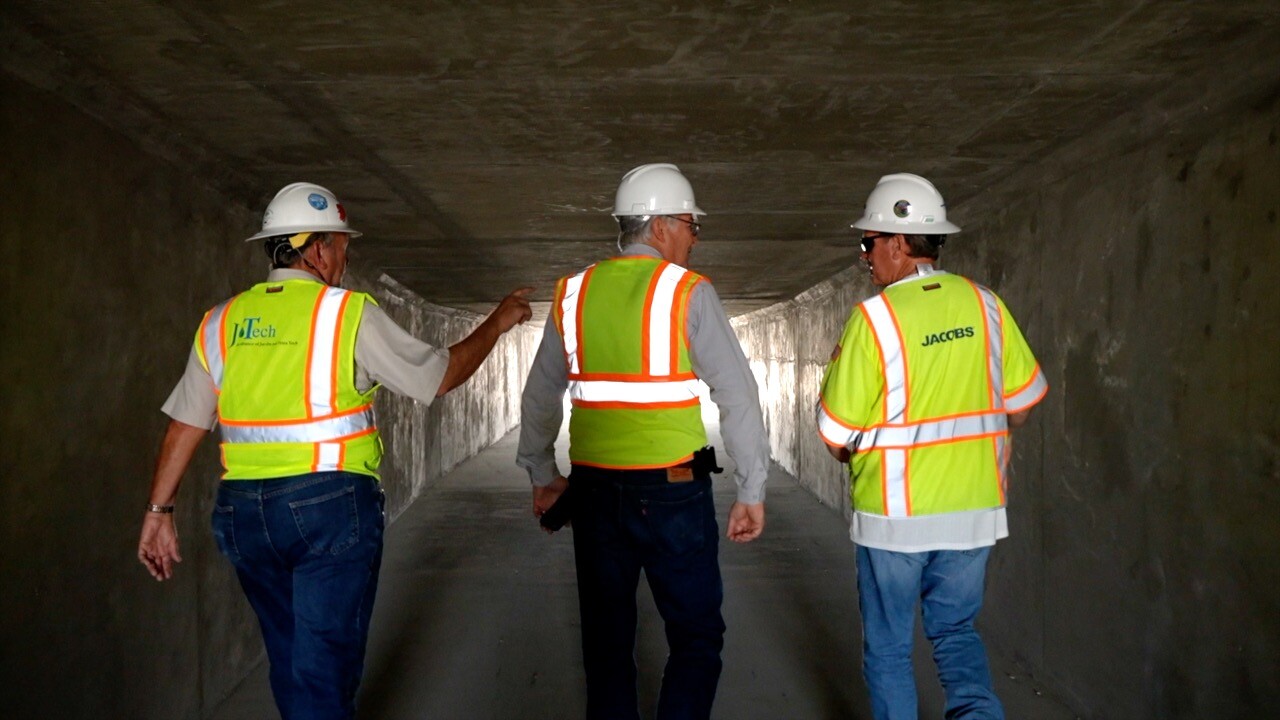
(696, 212)
(294, 230)
(905, 228)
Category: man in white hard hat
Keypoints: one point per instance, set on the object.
(927, 380)
(289, 369)
(630, 337)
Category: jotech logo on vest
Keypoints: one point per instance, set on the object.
(250, 330)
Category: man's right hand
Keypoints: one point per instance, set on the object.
(513, 310)
(158, 546)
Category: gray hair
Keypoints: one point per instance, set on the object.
(637, 228)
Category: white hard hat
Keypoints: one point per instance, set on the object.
(906, 203)
(655, 189)
(303, 207)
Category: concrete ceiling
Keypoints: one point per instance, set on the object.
(478, 145)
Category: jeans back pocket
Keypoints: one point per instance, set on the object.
(328, 524)
(681, 525)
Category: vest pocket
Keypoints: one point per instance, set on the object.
(329, 523)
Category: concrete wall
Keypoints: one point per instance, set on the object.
(1139, 581)
(424, 443)
(110, 258)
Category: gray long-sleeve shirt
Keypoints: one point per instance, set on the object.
(717, 360)
(385, 354)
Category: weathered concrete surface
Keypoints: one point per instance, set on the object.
(1139, 579)
(111, 257)
(486, 139)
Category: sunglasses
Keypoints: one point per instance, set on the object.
(694, 227)
(869, 241)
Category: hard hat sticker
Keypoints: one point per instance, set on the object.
(342, 212)
(317, 201)
(902, 208)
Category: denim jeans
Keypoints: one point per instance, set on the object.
(307, 550)
(949, 586)
(625, 521)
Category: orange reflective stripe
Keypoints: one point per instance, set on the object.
(297, 421)
(679, 321)
(1035, 375)
(661, 466)
(621, 405)
(995, 451)
(837, 420)
(200, 343)
(557, 313)
(577, 321)
(222, 328)
(629, 377)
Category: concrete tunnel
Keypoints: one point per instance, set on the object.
(1115, 168)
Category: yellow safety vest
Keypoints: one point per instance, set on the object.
(282, 359)
(633, 389)
(920, 389)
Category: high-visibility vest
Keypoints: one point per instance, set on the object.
(633, 389)
(282, 359)
(920, 389)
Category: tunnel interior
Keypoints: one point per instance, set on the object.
(1115, 168)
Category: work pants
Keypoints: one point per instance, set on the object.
(949, 585)
(625, 521)
(307, 550)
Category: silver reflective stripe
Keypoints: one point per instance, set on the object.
(316, 431)
(661, 318)
(1002, 449)
(833, 431)
(895, 488)
(895, 366)
(895, 402)
(995, 344)
(924, 433)
(569, 319)
(211, 335)
(323, 360)
(641, 393)
(328, 457)
(1027, 396)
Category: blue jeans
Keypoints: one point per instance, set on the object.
(625, 521)
(949, 585)
(307, 550)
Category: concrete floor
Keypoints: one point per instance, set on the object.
(477, 615)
